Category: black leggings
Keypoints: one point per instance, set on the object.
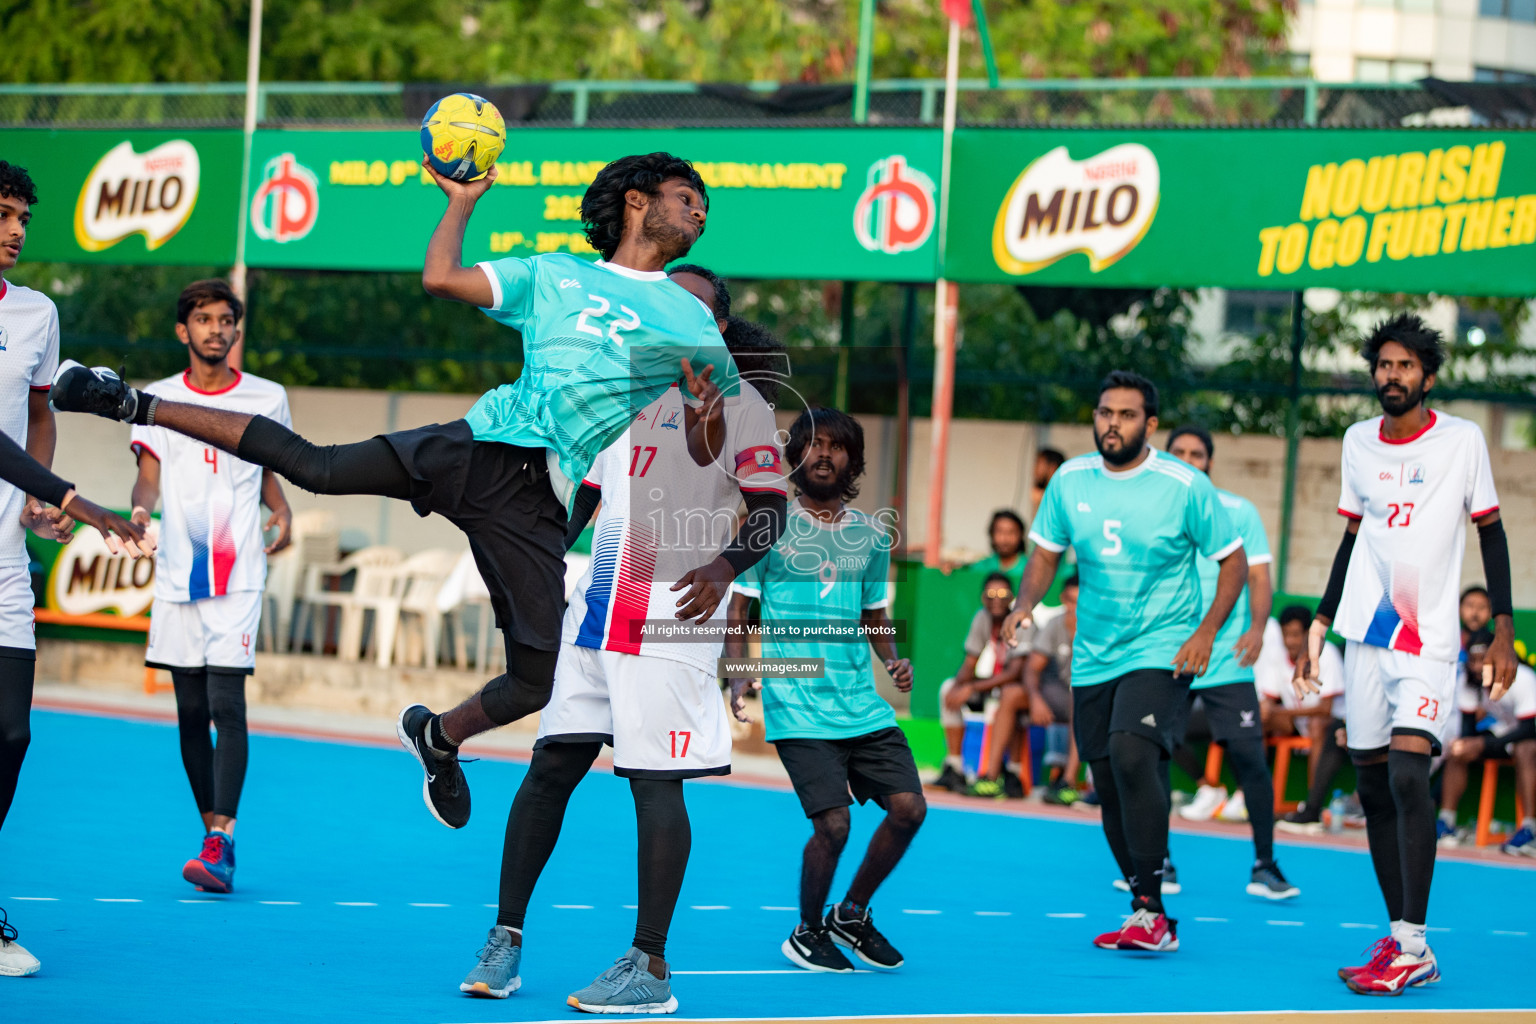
(1130, 783)
(15, 724)
(534, 824)
(217, 774)
(366, 467)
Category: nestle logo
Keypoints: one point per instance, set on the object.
(1119, 169)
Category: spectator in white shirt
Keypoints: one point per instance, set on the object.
(1320, 717)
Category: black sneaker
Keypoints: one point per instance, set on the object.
(1269, 883)
(1013, 786)
(98, 390)
(445, 791)
(1302, 821)
(861, 936)
(951, 780)
(814, 950)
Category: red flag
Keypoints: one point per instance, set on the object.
(959, 10)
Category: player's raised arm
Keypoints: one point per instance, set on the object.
(444, 274)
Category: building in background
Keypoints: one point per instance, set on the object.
(1405, 40)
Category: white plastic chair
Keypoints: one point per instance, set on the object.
(419, 580)
(372, 569)
(315, 541)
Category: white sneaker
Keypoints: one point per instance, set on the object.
(15, 962)
(1207, 802)
(1235, 809)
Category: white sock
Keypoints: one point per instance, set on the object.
(1411, 937)
(956, 762)
(1529, 823)
(1449, 817)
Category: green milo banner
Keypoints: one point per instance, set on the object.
(812, 203)
(1411, 211)
(130, 196)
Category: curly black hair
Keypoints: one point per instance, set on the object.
(840, 427)
(761, 358)
(602, 208)
(722, 308)
(1135, 381)
(16, 183)
(1410, 331)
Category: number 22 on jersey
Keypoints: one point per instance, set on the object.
(616, 330)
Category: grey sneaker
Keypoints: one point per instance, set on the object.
(495, 976)
(627, 987)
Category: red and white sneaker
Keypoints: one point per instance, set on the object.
(1111, 940)
(1146, 930)
(1378, 956)
(1392, 978)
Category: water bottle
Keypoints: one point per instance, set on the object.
(1336, 813)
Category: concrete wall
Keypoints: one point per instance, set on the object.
(990, 467)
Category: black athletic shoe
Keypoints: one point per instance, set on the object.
(1269, 883)
(98, 390)
(814, 950)
(445, 791)
(1013, 786)
(861, 936)
(951, 780)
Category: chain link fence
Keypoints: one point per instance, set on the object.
(1092, 103)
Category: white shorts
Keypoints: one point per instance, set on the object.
(1392, 693)
(214, 632)
(664, 719)
(18, 628)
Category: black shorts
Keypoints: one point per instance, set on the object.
(872, 766)
(1502, 748)
(500, 496)
(1148, 702)
(1231, 712)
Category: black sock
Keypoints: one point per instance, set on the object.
(1249, 767)
(665, 839)
(534, 822)
(1408, 776)
(439, 740)
(1375, 792)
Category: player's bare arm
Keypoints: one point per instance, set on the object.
(119, 534)
(1195, 656)
(739, 619)
(42, 438)
(444, 274)
(1501, 661)
(882, 638)
(706, 424)
(281, 518)
(146, 488)
(1260, 599)
(707, 586)
(1039, 573)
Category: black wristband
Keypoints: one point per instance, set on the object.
(1328, 607)
(1495, 545)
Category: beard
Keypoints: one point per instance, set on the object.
(818, 491)
(1129, 450)
(673, 241)
(1397, 405)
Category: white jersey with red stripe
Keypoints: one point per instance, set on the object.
(29, 357)
(1412, 498)
(210, 501)
(662, 515)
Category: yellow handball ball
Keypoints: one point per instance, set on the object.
(462, 135)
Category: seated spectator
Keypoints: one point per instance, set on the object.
(988, 664)
(1492, 729)
(1476, 613)
(1005, 534)
(1047, 462)
(1044, 698)
(1320, 717)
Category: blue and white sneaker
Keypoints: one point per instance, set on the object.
(1522, 843)
(627, 987)
(1445, 835)
(496, 975)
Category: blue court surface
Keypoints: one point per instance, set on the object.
(353, 904)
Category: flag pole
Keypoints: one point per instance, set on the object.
(237, 275)
(945, 314)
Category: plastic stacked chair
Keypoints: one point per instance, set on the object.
(371, 571)
(315, 541)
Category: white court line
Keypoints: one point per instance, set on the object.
(37, 899)
(994, 913)
(279, 903)
(710, 906)
(341, 903)
(573, 906)
(492, 906)
(1449, 1013)
(1212, 920)
(1066, 915)
(431, 904)
(1354, 924)
(631, 906)
(778, 908)
(924, 912)
(1520, 934)
(199, 901)
(1432, 929)
(1287, 924)
(102, 899)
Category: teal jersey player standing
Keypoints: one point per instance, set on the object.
(600, 343)
(1137, 548)
(822, 575)
(1225, 666)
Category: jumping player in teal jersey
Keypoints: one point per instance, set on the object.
(833, 732)
(1227, 689)
(600, 342)
(1137, 520)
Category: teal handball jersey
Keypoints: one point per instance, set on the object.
(600, 343)
(1136, 535)
(1224, 667)
(822, 574)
